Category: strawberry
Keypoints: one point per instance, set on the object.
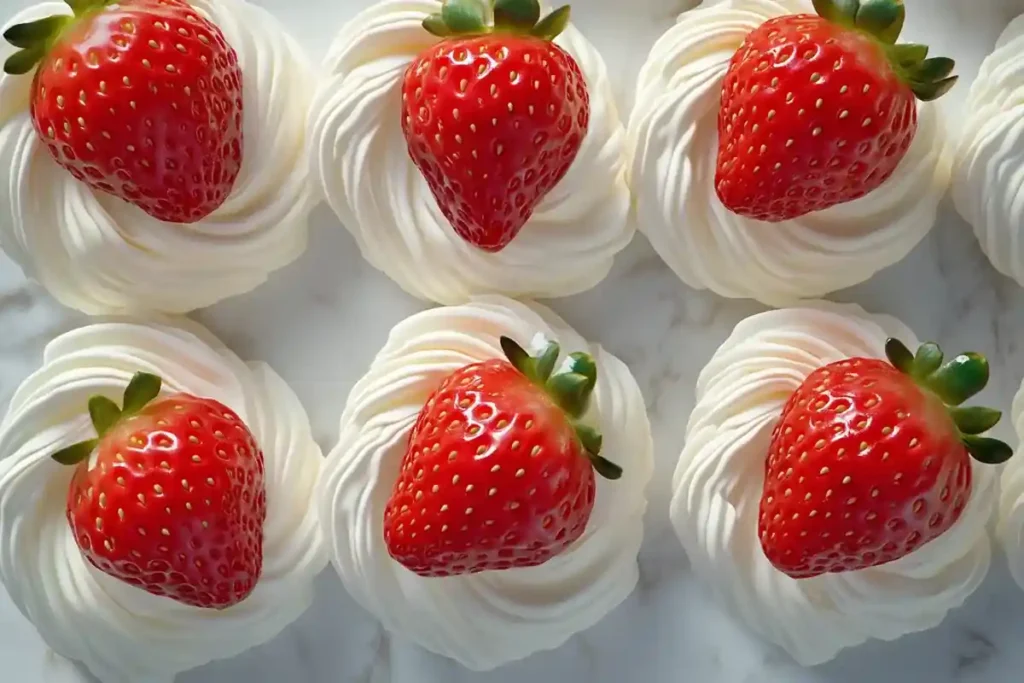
(493, 115)
(499, 470)
(170, 496)
(820, 110)
(871, 460)
(141, 99)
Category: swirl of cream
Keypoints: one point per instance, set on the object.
(486, 619)
(1010, 529)
(359, 156)
(101, 255)
(119, 632)
(717, 491)
(988, 171)
(673, 138)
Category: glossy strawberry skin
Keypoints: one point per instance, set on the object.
(812, 115)
(143, 100)
(175, 503)
(493, 478)
(864, 468)
(493, 123)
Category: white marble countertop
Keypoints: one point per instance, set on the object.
(320, 321)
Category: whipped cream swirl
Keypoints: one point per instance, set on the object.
(99, 254)
(673, 138)
(482, 620)
(1011, 501)
(988, 173)
(717, 491)
(360, 158)
(119, 632)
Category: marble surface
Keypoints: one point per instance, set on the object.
(321, 320)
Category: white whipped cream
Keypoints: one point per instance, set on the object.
(1011, 497)
(673, 137)
(487, 619)
(359, 156)
(717, 491)
(99, 254)
(988, 173)
(121, 633)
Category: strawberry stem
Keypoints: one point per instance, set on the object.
(480, 17)
(953, 382)
(570, 389)
(105, 415)
(928, 79)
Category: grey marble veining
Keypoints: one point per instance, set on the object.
(321, 320)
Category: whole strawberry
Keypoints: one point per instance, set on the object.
(820, 110)
(493, 114)
(499, 470)
(141, 99)
(170, 496)
(872, 459)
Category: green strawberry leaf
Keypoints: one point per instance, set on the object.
(584, 364)
(900, 356)
(570, 391)
(72, 455)
(592, 442)
(35, 32)
(551, 26)
(908, 54)
(932, 70)
(516, 15)
(842, 12)
(434, 24)
(975, 419)
(882, 18)
(23, 61)
(959, 378)
(928, 359)
(544, 364)
(142, 389)
(104, 414)
(464, 16)
(928, 92)
(988, 451)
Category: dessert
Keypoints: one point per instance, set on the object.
(915, 544)
(95, 450)
(523, 584)
(156, 148)
(368, 149)
(988, 171)
(494, 115)
(809, 250)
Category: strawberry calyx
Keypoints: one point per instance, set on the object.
(106, 414)
(954, 382)
(35, 38)
(570, 389)
(482, 17)
(928, 78)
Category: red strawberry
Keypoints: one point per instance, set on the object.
(499, 471)
(494, 115)
(871, 460)
(138, 98)
(170, 497)
(820, 110)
